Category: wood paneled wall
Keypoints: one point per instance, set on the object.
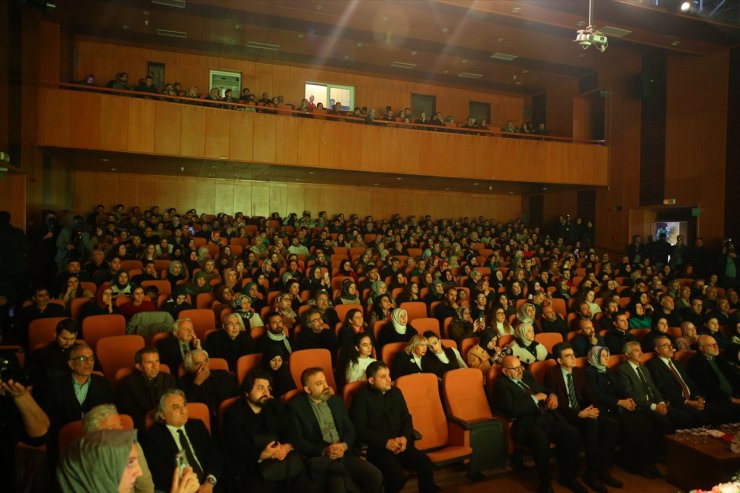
(88, 120)
(695, 153)
(105, 59)
(13, 197)
(212, 195)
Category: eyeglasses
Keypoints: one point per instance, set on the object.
(83, 359)
(315, 320)
(515, 368)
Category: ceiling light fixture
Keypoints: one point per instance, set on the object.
(685, 6)
(590, 36)
(171, 34)
(263, 46)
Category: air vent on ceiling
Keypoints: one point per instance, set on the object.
(170, 3)
(614, 32)
(407, 66)
(468, 75)
(172, 34)
(504, 56)
(263, 46)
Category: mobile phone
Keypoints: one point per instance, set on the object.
(181, 462)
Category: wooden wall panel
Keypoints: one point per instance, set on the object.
(13, 197)
(141, 125)
(167, 140)
(192, 123)
(110, 135)
(217, 134)
(86, 130)
(264, 138)
(241, 137)
(212, 195)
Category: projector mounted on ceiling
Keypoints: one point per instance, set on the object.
(591, 37)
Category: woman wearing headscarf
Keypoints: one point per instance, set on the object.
(106, 461)
(411, 360)
(176, 272)
(198, 285)
(317, 280)
(377, 289)
(283, 306)
(73, 291)
(121, 284)
(252, 289)
(436, 293)
(525, 347)
(103, 305)
(526, 313)
(397, 330)
(487, 352)
(410, 293)
(636, 435)
(275, 362)
(243, 307)
(349, 295)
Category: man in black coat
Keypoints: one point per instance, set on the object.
(674, 383)
(324, 435)
(536, 423)
(714, 376)
(51, 361)
(72, 395)
(383, 422)
(274, 336)
(140, 392)
(201, 384)
(256, 434)
(175, 434)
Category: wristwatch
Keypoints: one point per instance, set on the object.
(211, 479)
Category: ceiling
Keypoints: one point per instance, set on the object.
(515, 46)
(437, 40)
(234, 170)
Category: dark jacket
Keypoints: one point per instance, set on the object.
(306, 433)
(379, 417)
(137, 396)
(707, 381)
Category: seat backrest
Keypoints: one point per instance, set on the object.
(558, 304)
(390, 351)
(343, 309)
(685, 355)
(222, 407)
(213, 364)
(466, 345)
(164, 287)
(464, 394)
(204, 300)
(95, 327)
(307, 358)
(204, 319)
(349, 391)
(539, 368)
(42, 331)
(247, 363)
(421, 392)
(117, 352)
(549, 339)
(415, 309)
(424, 324)
(75, 306)
(73, 431)
(198, 410)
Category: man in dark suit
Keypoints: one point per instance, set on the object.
(619, 334)
(536, 423)
(324, 435)
(50, 361)
(201, 384)
(173, 349)
(714, 376)
(383, 422)
(140, 393)
(578, 404)
(72, 395)
(635, 382)
(175, 434)
(256, 435)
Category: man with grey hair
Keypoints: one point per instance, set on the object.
(172, 350)
(177, 435)
(715, 377)
(140, 392)
(106, 417)
(201, 384)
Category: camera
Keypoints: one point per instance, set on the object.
(10, 370)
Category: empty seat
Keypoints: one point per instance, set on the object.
(95, 327)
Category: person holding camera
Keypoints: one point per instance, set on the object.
(73, 242)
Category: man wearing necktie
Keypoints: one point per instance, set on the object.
(535, 423)
(679, 389)
(635, 382)
(175, 434)
(715, 378)
(577, 402)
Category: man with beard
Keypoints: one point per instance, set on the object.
(325, 437)
(255, 433)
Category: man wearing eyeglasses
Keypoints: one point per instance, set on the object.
(315, 333)
(536, 423)
(714, 377)
(74, 394)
